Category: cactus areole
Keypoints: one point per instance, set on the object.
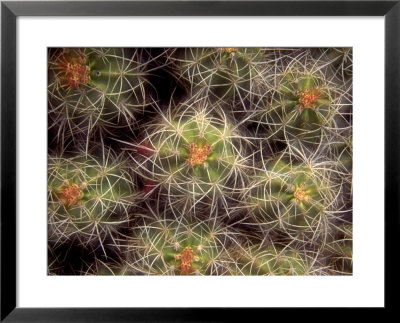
(186, 257)
(308, 97)
(70, 195)
(300, 195)
(229, 49)
(75, 72)
(198, 154)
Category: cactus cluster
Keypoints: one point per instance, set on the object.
(200, 161)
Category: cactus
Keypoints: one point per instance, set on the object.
(95, 89)
(301, 111)
(165, 246)
(228, 74)
(289, 197)
(274, 260)
(88, 198)
(195, 155)
(308, 105)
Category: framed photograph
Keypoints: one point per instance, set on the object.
(193, 160)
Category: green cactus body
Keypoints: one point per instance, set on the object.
(292, 199)
(167, 247)
(115, 75)
(194, 156)
(228, 73)
(272, 262)
(300, 110)
(86, 198)
(95, 87)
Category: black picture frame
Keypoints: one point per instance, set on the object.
(11, 10)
